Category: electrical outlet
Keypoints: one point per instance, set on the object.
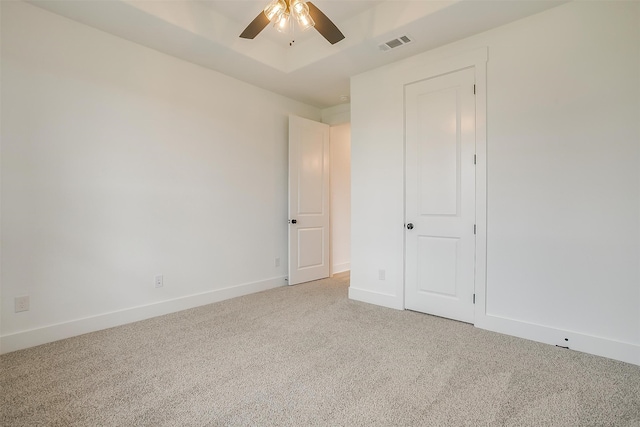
(382, 275)
(277, 261)
(21, 303)
(159, 281)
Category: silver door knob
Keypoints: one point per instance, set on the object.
(410, 226)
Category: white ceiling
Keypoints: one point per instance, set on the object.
(313, 71)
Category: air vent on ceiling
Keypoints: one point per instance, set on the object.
(395, 43)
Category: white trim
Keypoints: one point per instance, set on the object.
(340, 268)
(626, 352)
(481, 187)
(476, 58)
(376, 298)
(46, 334)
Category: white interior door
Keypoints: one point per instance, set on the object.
(308, 200)
(440, 195)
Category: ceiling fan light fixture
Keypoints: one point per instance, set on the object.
(274, 9)
(298, 6)
(283, 23)
(305, 21)
(281, 14)
(300, 10)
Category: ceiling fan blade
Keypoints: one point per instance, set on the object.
(325, 27)
(254, 28)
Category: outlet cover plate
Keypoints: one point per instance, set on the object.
(21, 303)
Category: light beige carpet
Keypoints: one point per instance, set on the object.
(306, 355)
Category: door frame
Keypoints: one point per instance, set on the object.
(476, 59)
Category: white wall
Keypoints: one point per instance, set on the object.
(337, 115)
(563, 182)
(340, 197)
(120, 163)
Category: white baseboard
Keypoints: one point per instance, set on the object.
(340, 268)
(605, 347)
(385, 300)
(46, 334)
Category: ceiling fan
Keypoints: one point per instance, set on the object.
(282, 13)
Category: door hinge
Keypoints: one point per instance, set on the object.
(475, 158)
(474, 229)
(474, 89)
(474, 298)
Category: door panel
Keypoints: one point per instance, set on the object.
(310, 172)
(312, 240)
(308, 200)
(440, 195)
(438, 151)
(438, 264)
